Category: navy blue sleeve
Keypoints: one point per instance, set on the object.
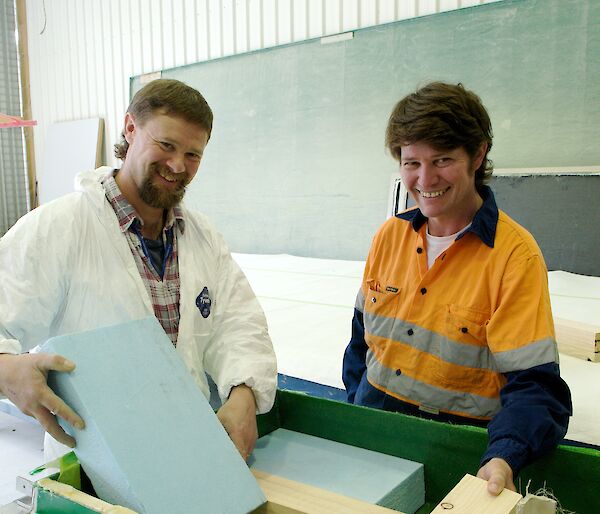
(354, 365)
(536, 406)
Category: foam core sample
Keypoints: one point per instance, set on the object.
(366, 475)
(151, 442)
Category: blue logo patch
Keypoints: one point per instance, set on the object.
(203, 302)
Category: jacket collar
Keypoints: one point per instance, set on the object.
(483, 225)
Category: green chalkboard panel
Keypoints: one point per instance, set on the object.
(297, 163)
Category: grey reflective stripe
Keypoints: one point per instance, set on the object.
(431, 396)
(534, 354)
(425, 340)
(360, 301)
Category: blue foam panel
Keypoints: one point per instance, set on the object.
(151, 442)
(373, 477)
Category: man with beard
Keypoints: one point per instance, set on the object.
(123, 247)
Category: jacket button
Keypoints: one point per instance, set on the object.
(419, 250)
(464, 330)
(398, 372)
(410, 332)
(423, 290)
(373, 300)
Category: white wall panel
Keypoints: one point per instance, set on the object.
(254, 24)
(81, 63)
(285, 21)
(367, 12)
(348, 14)
(387, 11)
(408, 9)
(300, 19)
(314, 14)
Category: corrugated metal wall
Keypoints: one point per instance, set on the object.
(82, 52)
(13, 181)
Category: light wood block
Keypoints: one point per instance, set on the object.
(576, 310)
(471, 496)
(578, 339)
(372, 477)
(152, 443)
(532, 504)
(307, 499)
(83, 499)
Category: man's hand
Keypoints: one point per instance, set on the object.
(238, 417)
(498, 474)
(23, 382)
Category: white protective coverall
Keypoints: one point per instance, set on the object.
(66, 267)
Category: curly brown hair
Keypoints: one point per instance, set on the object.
(170, 97)
(445, 116)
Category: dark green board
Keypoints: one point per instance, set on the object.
(296, 163)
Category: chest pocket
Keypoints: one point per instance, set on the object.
(467, 325)
(381, 308)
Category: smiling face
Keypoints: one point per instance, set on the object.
(162, 159)
(442, 182)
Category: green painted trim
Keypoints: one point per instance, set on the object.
(270, 421)
(50, 503)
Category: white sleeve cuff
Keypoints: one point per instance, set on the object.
(264, 393)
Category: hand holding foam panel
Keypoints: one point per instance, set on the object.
(151, 442)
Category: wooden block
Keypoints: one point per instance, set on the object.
(306, 499)
(151, 443)
(578, 339)
(471, 496)
(347, 470)
(576, 309)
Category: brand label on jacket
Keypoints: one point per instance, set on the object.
(203, 302)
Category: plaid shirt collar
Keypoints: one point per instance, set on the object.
(127, 215)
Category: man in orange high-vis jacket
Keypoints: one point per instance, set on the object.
(453, 319)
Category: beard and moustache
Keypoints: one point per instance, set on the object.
(158, 197)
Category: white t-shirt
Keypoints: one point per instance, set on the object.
(436, 245)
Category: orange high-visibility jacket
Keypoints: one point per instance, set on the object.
(441, 338)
